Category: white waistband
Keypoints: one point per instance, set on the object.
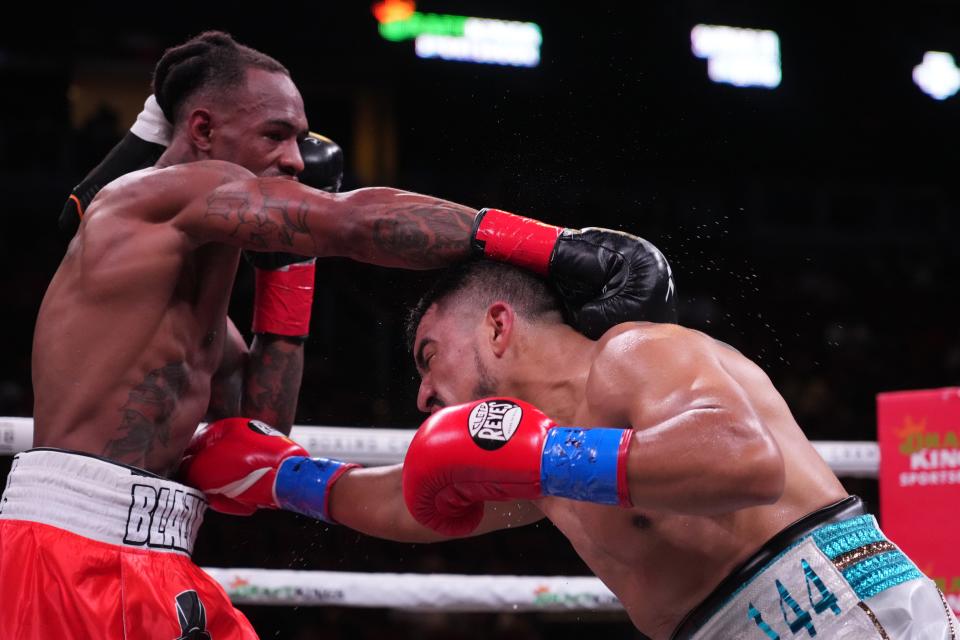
(102, 501)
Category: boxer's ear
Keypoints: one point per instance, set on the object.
(200, 126)
(499, 323)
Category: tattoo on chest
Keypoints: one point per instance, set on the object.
(260, 219)
(146, 416)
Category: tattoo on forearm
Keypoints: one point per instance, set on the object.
(146, 416)
(272, 383)
(254, 215)
(427, 235)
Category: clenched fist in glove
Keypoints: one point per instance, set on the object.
(604, 277)
(243, 465)
(506, 449)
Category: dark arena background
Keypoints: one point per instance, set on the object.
(811, 224)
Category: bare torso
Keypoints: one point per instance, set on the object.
(131, 329)
(134, 324)
(661, 565)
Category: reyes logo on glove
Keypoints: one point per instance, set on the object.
(493, 422)
(263, 428)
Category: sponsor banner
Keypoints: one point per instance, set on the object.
(919, 437)
(422, 592)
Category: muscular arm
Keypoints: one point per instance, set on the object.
(272, 378)
(226, 386)
(371, 501)
(698, 446)
(262, 382)
(378, 225)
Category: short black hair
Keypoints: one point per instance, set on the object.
(484, 282)
(211, 60)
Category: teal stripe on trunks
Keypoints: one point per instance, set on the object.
(838, 538)
(871, 575)
(879, 573)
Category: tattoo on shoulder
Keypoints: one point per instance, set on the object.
(253, 216)
(430, 232)
(146, 416)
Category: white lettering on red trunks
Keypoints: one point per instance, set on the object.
(163, 519)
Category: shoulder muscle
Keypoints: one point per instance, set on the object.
(644, 372)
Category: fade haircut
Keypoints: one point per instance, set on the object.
(481, 283)
(210, 62)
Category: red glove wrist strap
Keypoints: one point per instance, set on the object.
(623, 483)
(282, 300)
(525, 242)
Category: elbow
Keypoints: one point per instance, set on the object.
(755, 473)
(764, 476)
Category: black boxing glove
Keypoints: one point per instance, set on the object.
(604, 277)
(322, 163)
(140, 148)
(283, 291)
(322, 169)
(607, 277)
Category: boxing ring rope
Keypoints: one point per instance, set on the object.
(372, 447)
(414, 591)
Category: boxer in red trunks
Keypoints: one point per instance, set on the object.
(133, 348)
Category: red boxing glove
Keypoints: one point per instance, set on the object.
(506, 449)
(233, 461)
(243, 465)
(283, 296)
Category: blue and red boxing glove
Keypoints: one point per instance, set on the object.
(243, 465)
(506, 449)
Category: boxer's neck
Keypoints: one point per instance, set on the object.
(555, 363)
(180, 151)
